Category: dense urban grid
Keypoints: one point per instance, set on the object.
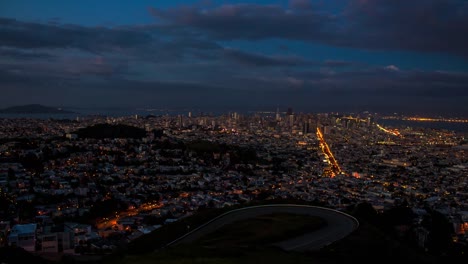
(88, 184)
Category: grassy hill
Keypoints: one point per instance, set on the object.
(251, 241)
(245, 241)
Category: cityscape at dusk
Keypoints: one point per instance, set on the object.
(210, 131)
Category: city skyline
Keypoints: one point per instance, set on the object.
(351, 55)
(95, 180)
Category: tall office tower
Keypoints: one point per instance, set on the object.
(277, 114)
(291, 120)
(179, 121)
(290, 111)
(312, 125)
(305, 128)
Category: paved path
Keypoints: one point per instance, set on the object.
(339, 225)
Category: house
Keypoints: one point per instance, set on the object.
(24, 236)
(57, 239)
(49, 242)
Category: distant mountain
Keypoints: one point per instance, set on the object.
(33, 109)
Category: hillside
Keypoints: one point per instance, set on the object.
(245, 242)
(17, 255)
(110, 131)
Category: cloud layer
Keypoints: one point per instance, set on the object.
(424, 25)
(191, 56)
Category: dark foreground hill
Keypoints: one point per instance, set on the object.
(233, 244)
(17, 255)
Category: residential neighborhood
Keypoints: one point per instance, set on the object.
(66, 191)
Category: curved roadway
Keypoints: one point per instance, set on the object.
(339, 225)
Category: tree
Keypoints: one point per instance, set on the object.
(31, 161)
(365, 212)
(440, 233)
(11, 174)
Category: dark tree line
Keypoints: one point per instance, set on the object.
(101, 131)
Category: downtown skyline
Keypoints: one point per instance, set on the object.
(353, 55)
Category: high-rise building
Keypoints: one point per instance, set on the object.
(305, 128)
(179, 121)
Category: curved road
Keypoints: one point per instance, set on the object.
(339, 225)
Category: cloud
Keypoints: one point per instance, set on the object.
(392, 85)
(249, 21)
(392, 68)
(424, 25)
(419, 25)
(254, 59)
(239, 87)
(71, 67)
(338, 63)
(184, 57)
(29, 35)
(295, 82)
(23, 54)
(300, 4)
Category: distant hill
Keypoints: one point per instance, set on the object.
(33, 109)
(111, 131)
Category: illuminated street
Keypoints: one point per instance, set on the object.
(334, 167)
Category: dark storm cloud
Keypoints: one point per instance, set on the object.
(250, 21)
(24, 54)
(425, 25)
(388, 84)
(184, 59)
(180, 48)
(253, 59)
(440, 77)
(69, 68)
(35, 35)
(338, 63)
(419, 25)
(8, 76)
(32, 73)
(98, 66)
(377, 88)
(300, 4)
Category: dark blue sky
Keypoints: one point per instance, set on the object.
(317, 55)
